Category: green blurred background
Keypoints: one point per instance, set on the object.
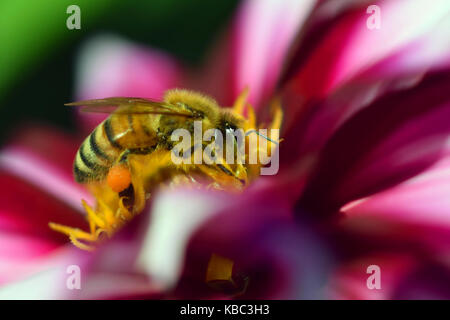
(38, 52)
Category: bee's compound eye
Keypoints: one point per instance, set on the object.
(119, 178)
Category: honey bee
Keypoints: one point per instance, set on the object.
(138, 126)
(132, 152)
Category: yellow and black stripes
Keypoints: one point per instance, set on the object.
(88, 166)
(95, 156)
(110, 134)
(95, 147)
(106, 144)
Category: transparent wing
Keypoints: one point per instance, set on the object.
(127, 105)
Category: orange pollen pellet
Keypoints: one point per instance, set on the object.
(119, 178)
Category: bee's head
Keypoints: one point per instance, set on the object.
(229, 122)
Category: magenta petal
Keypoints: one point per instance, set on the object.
(43, 278)
(26, 210)
(20, 249)
(430, 282)
(349, 281)
(400, 248)
(175, 217)
(357, 48)
(109, 66)
(261, 37)
(280, 259)
(44, 157)
(36, 171)
(341, 66)
(389, 141)
(186, 227)
(422, 200)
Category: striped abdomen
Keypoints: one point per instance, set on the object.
(103, 147)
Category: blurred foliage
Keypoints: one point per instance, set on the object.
(38, 52)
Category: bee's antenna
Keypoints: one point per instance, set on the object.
(261, 135)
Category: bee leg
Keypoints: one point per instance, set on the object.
(123, 158)
(222, 175)
(119, 176)
(127, 197)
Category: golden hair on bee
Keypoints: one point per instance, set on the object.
(196, 101)
(231, 119)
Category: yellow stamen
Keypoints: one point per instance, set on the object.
(251, 117)
(240, 102)
(277, 114)
(92, 216)
(80, 245)
(78, 233)
(219, 276)
(219, 268)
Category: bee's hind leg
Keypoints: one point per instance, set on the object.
(127, 185)
(119, 176)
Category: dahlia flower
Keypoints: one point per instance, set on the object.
(363, 180)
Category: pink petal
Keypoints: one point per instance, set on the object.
(261, 37)
(430, 282)
(114, 286)
(25, 211)
(426, 40)
(21, 253)
(254, 231)
(171, 226)
(390, 141)
(357, 48)
(324, 90)
(349, 281)
(44, 156)
(32, 168)
(21, 247)
(37, 187)
(42, 278)
(401, 249)
(187, 225)
(110, 66)
(421, 200)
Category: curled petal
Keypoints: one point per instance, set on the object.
(417, 207)
(32, 168)
(342, 66)
(388, 142)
